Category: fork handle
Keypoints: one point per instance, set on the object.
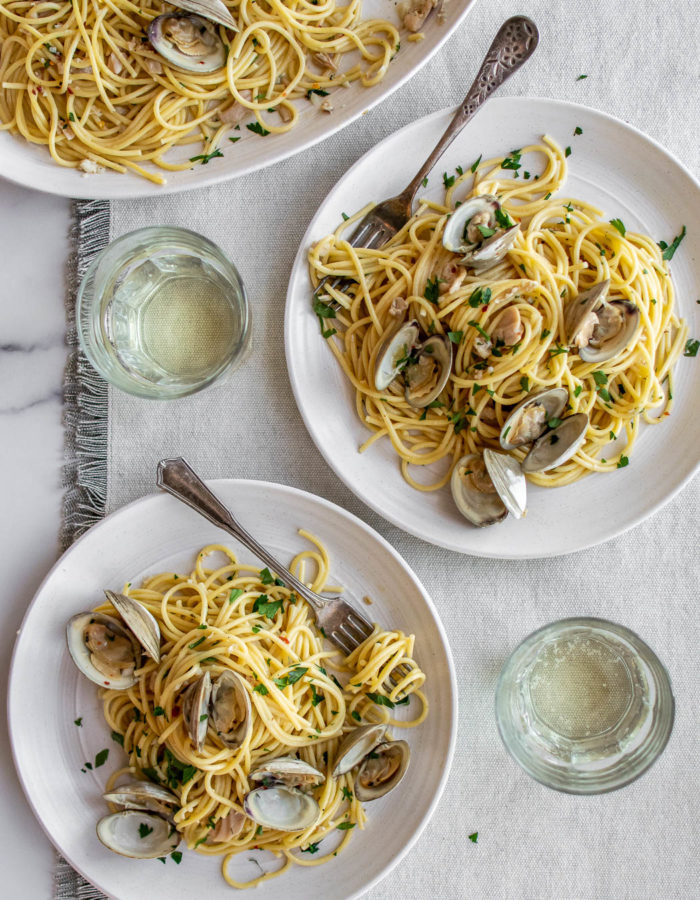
(513, 45)
(179, 479)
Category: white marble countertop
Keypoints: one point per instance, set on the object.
(34, 241)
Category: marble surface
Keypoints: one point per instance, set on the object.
(34, 241)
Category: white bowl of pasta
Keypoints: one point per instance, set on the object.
(153, 544)
(589, 210)
(110, 118)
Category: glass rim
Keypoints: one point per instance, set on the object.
(641, 763)
(130, 384)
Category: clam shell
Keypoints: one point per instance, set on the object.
(492, 250)
(214, 10)
(281, 807)
(82, 656)
(365, 791)
(139, 621)
(558, 445)
(453, 234)
(614, 346)
(578, 308)
(226, 682)
(287, 770)
(553, 400)
(478, 507)
(195, 709)
(509, 481)
(144, 795)
(163, 44)
(439, 348)
(120, 833)
(355, 746)
(396, 344)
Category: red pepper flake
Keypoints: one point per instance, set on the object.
(286, 640)
(485, 307)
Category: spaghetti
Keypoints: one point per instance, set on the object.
(236, 617)
(81, 77)
(563, 247)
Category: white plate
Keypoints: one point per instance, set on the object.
(613, 166)
(31, 166)
(47, 694)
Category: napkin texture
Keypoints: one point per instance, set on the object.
(643, 841)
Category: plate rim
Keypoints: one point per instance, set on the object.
(142, 188)
(145, 501)
(292, 370)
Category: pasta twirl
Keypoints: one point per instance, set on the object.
(563, 247)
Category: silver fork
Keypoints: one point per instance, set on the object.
(338, 620)
(513, 45)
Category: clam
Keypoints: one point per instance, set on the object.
(394, 352)
(557, 445)
(529, 420)
(187, 42)
(287, 770)
(230, 712)
(355, 746)
(382, 769)
(600, 328)
(427, 376)
(145, 796)
(282, 807)
(137, 834)
(104, 650)
(139, 621)
(481, 231)
(195, 709)
(487, 487)
(214, 10)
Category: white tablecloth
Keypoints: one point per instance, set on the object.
(642, 63)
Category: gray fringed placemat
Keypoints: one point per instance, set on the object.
(85, 410)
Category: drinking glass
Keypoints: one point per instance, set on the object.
(162, 313)
(584, 705)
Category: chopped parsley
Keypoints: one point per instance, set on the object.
(118, 738)
(291, 677)
(448, 180)
(503, 219)
(266, 576)
(669, 250)
(257, 128)
(475, 836)
(144, 830)
(196, 643)
(556, 351)
(478, 327)
(346, 826)
(619, 224)
(513, 161)
(176, 856)
(578, 389)
(261, 689)
(78, 722)
(345, 216)
(158, 711)
(234, 595)
(691, 347)
(205, 157)
(525, 383)
(267, 607)
(455, 336)
(318, 91)
(578, 130)
(234, 139)
(480, 297)
(485, 231)
(567, 151)
(475, 165)
(432, 290)
(624, 461)
(312, 848)
(356, 716)
(545, 334)
(101, 758)
(177, 772)
(425, 181)
(581, 77)
(380, 700)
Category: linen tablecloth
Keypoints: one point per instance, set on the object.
(642, 65)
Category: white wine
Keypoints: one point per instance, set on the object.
(173, 320)
(584, 705)
(580, 687)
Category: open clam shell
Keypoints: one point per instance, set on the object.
(382, 769)
(281, 807)
(427, 377)
(558, 445)
(104, 650)
(622, 322)
(214, 10)
(393, 353)
(529, 420)
(481, 230)
(355, 746)
(287, 770)
(144, 795)
(137, 834)
(231, 716)
(195, 709)
(509, 481)
(139, 621)
(474, 493)
(188, 42)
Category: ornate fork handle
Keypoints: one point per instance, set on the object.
(514, 44)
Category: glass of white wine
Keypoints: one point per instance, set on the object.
(162, 313)
(584, 705)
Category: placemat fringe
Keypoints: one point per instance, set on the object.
(85, 398)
